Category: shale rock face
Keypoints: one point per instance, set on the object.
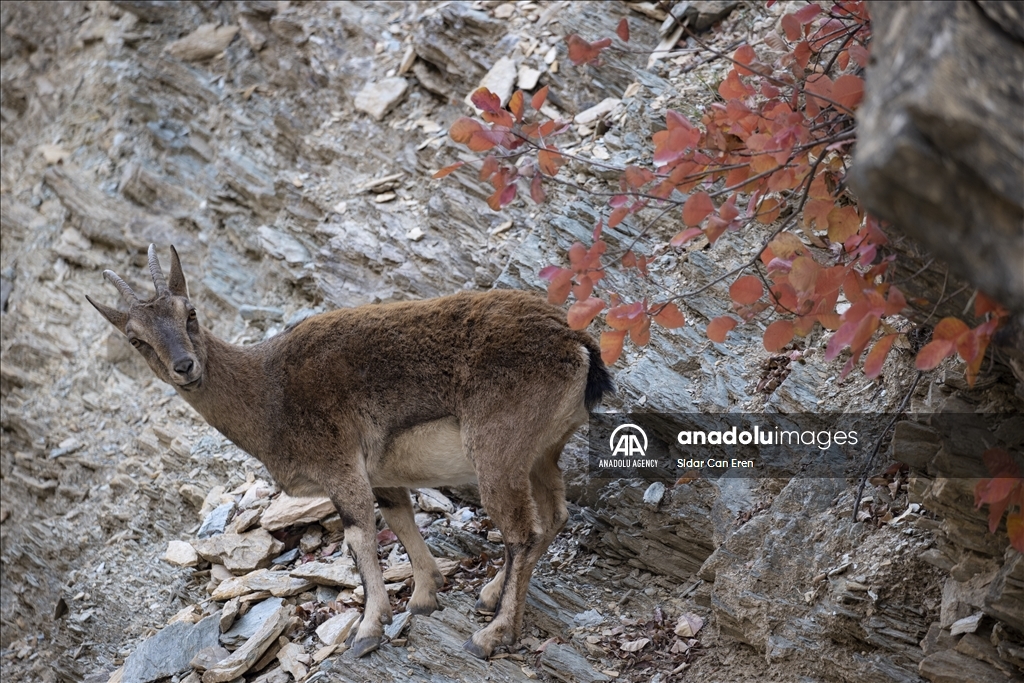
(940, 143)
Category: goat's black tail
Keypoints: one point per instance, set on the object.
(599, 380)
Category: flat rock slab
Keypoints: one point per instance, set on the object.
(403, 570)
(216, 521)
(242, 659)
(283, 246)
(277, 583)
(380, 97)
(171, 650)
(240, 553)
(598, 111)
(181, 554)
(341, 572)
(952, 667)
(205, 42)
(336, 629)
(249, 624)
(287, 511)
(566, 664)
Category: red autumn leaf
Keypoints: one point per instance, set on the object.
(584, 288)
(803, 275)
(669, 316)
(818, 84)
(769, 210)
(484, 140)
(463, 128)
(843, 223)
(637, 177)
(548, 273)
(746, 290)
(582, 313)
(830, 321)
(697, 208)
(876, 356)
(629, 259)
(995, 490)
(1000, 463)
(641, 333)
(580, 51)
(597, 229)
(843, 60)
(934, 353)
(502, 197)
(671, 144)
(685, 236)
(728, 211)
(537, 101)
(611, 345)
(806, 14)
(537, 189)
(744, 55)
(500, 118)
(489, 167)
(577, 255)
(862, 334)
(516, 106)
(778, 334)
(715, 228)
(791, 27)
(617, 215)
(625, 316)
(896, 302)
(719, 327)
(558, 290)
(848, 90)
(622, 30)
(984, 304)
(448, 170)
(950, 329)
(549, 161)
(733, 88)
(859, 54)
(786, 245)
(484, 100)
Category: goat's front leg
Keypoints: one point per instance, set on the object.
(396, 508)
(354, 502)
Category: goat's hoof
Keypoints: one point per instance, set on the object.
(485, 608)
(475, 650)
(423, 610)
(365, 646)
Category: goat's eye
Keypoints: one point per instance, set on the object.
(135, 342)
(192, 314)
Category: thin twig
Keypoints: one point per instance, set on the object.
(878, 444)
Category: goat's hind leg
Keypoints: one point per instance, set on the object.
(529, 519)
(354, 501)
(396, 508)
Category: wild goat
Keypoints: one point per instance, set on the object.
(365, 403)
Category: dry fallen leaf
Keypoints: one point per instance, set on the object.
(635, 645)
(688, 625)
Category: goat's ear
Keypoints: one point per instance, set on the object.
(118, 319)
(177, 283)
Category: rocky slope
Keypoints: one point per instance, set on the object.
(272, 145)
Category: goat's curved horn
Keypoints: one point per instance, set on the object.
(126, 292)
(158, 274)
